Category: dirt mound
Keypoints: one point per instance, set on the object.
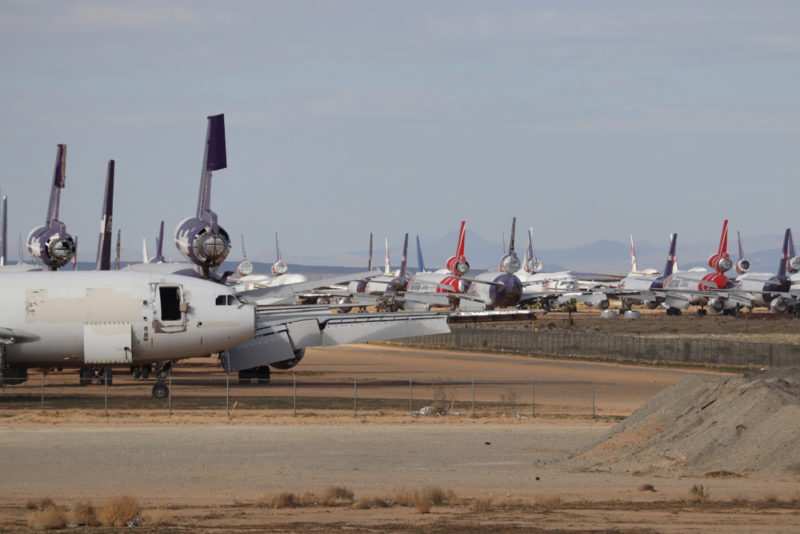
(742, 425)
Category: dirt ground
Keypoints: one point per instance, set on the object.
(205, 471)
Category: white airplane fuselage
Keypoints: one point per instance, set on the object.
(72, 319)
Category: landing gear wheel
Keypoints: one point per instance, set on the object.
(146, 371)
(137, 373)
(702, 312)
(262, 374)
(85, 376)
(160, 390)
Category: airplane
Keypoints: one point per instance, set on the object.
(85, 319)
(634, 266)
(758, 289)
(51, 244)
(681, 289)
(246, 280)
(498, 288)
(445, 285)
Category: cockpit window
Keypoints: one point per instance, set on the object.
(226, 300)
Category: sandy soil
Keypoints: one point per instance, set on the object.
(213, 472)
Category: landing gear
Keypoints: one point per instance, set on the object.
(160, 390)
(102, 375)
(141, 372)
(702, 312)
(261, 374)
(673, 311)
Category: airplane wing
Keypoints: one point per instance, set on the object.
(289, 293)
(283, 333)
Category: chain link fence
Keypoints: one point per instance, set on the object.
(288, 393)
(621, 347)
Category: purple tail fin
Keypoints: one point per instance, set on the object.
(673, 239)
(214, 159)
(405, 258)
(369, 261)
(104, 241)
(159, 257)
(59, 180)
(787, 237)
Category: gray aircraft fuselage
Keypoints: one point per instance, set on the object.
(72, 319)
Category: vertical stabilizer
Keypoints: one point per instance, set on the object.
(4, 233)
(159, 257)
(420, 261)
(103, 262)
(634, 266)
(387, 268)
(59, 180)
(787, 237)
(671, 260)
(369, 261)
(404, 261)
(462, 234)
(214, 158)
(145, 255)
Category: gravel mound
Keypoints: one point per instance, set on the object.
(739, 425)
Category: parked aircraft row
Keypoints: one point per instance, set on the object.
(156, 312)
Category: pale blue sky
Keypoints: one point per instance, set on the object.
(587, 120)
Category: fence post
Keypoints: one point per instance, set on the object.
(170, 393)
(42, 392)
(593, 413)
(227, 395)
(105, 379)
(355, 397)
(294, 394)
(410, 397)
(533, 400)
(473, 396)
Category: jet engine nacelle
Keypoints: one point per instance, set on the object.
(288, 364)
(742, 266)
(601, 304)
(201, 244)
(53, 249)
(509, 263)
(279, 268)
(720, 263)
(357, 286)
(794, 263)
(716, 304)
(778, 305)
(651, 304)
(534, 265)
(458, 265)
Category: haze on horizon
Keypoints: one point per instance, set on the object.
(586, 120)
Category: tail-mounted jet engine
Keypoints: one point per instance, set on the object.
(200, 238)
(742, 266)
(458, 264)
(51, 244)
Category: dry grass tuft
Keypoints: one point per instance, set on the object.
(119, 510)
(722, 474)
(698, 494)
(284, 499)
(646, 487)
(370, 503)
(50, 517)
(83, 513)
(40, 504)
(422, 506)
(160, 517)
(336, 496)
(546, 503)
(482, 505)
